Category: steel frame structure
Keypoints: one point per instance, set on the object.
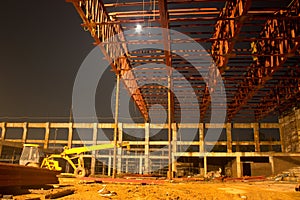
(254, 44)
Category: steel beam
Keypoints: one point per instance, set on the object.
(93, 11)
(164, 20)
(228, 30)
(277, 97)
(226, 34)
(264, 67)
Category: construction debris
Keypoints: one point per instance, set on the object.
(60, 193)
(106, 193)
(291, 175)
(213, 174)
(7, 197)
(246, 179)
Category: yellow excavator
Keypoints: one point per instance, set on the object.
(33, 155)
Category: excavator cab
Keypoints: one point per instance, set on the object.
(31, 155)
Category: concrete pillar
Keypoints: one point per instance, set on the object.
(126, 167)
(120, 140)
(271, 160)
(205, 165)
(103, 167)
(201, 138)
(70, 135)
(174, 148)
(93, 160)
(24, 136)
(141, 166)
(3, 132)
(238, 166)
(229, 137)
(47, 133)
(147, 138)
(255, 127)
(109, 165)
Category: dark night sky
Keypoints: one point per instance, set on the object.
(42, 47)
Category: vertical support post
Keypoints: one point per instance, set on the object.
(255, 127)
(229, 137)
(109, 165)
(24, 136)
(3, 132)
(70, 135)
(201, 137)
(281, 132)
(141, 165)
(103, 167)
(174, 148)
(238, 166)
(126, 167)
(271, 160)
(169, 129)
(120, 139)
(116, 126)
(47, 133)
(147, 137)
(205, 164)
(93, 160)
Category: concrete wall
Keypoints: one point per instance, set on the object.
(233, 168)
(261, 169)
(285, 163)
(290, 131)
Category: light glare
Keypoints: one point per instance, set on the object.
(138, 28)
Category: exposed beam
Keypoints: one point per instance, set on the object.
(279, 96)
(226, 34)
(264, 67)
(93, 11)
(229, 30)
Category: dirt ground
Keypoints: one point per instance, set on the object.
(174, 190)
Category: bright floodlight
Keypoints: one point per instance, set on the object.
(138, 28)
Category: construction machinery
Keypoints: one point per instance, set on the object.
(33, 155)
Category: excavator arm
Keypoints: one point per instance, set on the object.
(80, 150)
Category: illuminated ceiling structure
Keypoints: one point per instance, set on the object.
(254, 44)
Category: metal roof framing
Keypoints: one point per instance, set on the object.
(254, 44)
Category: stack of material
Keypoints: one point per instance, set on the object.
(292, 175)
(185, 169)
(295, 171)
(17, 175)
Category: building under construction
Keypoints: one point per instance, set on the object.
(225, 75)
